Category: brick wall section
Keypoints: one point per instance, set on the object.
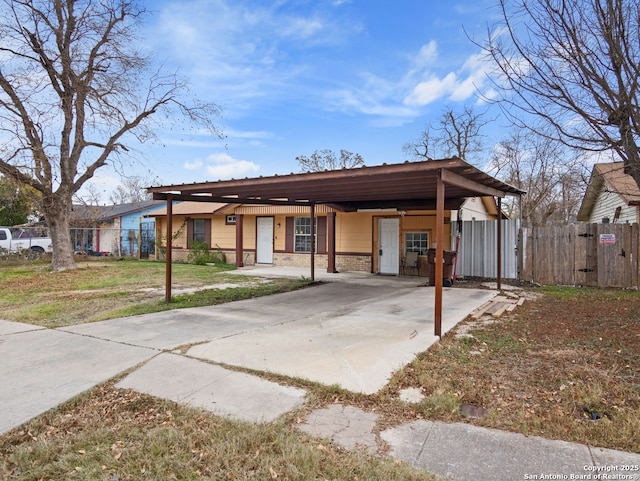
(353, 263)
(360, 263)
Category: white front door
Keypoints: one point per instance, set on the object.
(264, 245)
(389, 252)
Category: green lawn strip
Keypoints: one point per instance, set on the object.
(207, 297)
(105, 289)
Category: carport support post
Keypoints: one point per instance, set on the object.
(437, 317)
(313, 242)
(239, 238)
(168, 254)
(499, 245)
(331, 241)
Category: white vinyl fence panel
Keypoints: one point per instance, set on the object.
(477, 248)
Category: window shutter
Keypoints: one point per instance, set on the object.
(322, 235)
(207, 232)
(288, 235)
(189, 233)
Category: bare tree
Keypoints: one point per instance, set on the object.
(133, 189)
(456, 133)
(326, 160)
(552, 176)
(91, 195)
(74, 92)
(575, 64)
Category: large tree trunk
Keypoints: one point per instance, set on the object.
(57, 215)
(632, 161)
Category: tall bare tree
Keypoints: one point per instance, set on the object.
(326, 160)
(551, 174)
(132, 189)
(74, 92)
(456, 133)
(576, 65)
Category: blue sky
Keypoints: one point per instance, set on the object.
(292, 77)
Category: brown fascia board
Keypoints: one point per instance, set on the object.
(591, 195)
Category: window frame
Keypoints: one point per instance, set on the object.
(298, 235)
(421, 246)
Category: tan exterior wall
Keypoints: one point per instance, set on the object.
(356, 237)
(222, 235)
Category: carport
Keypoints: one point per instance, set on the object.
(431, 185)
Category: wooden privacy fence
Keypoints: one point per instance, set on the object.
(597, 255)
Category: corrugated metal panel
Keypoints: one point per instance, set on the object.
(477, 248)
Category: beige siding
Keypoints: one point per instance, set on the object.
(249, 232)
(424, 222)
(297, 210)
(474, 209)
(356, 236)
(606, 205)
(279, 223)
(222, 235)
(354, 232)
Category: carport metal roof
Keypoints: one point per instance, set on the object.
(404, 186)
(433, 185)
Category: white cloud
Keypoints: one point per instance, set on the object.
(247, 134)
(195, 165)
(303, 27)
(431, 90)
(457, 86)
(427, 56)
(222, 166)
(238, 52)
(395, 102)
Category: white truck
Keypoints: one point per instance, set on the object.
(16, 240)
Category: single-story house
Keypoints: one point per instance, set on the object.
(280, 235)
(611, 196)
(363, 218)
(119, 230)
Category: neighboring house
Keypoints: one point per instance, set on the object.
(478, 208)
(611, 196)
(119, 230)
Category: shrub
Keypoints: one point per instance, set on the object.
(201, 254)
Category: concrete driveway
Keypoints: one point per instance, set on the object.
(354, 332)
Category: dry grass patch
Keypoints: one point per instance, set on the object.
(117, 435)
(564, 366)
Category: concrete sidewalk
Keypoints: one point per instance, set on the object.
(42, 368)
(354, 332)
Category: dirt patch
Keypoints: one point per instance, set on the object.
(562, 366)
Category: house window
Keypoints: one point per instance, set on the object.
(302, 232)
(416, 242)
(230, 219)
(198, 230)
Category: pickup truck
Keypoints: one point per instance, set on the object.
(18, 240)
